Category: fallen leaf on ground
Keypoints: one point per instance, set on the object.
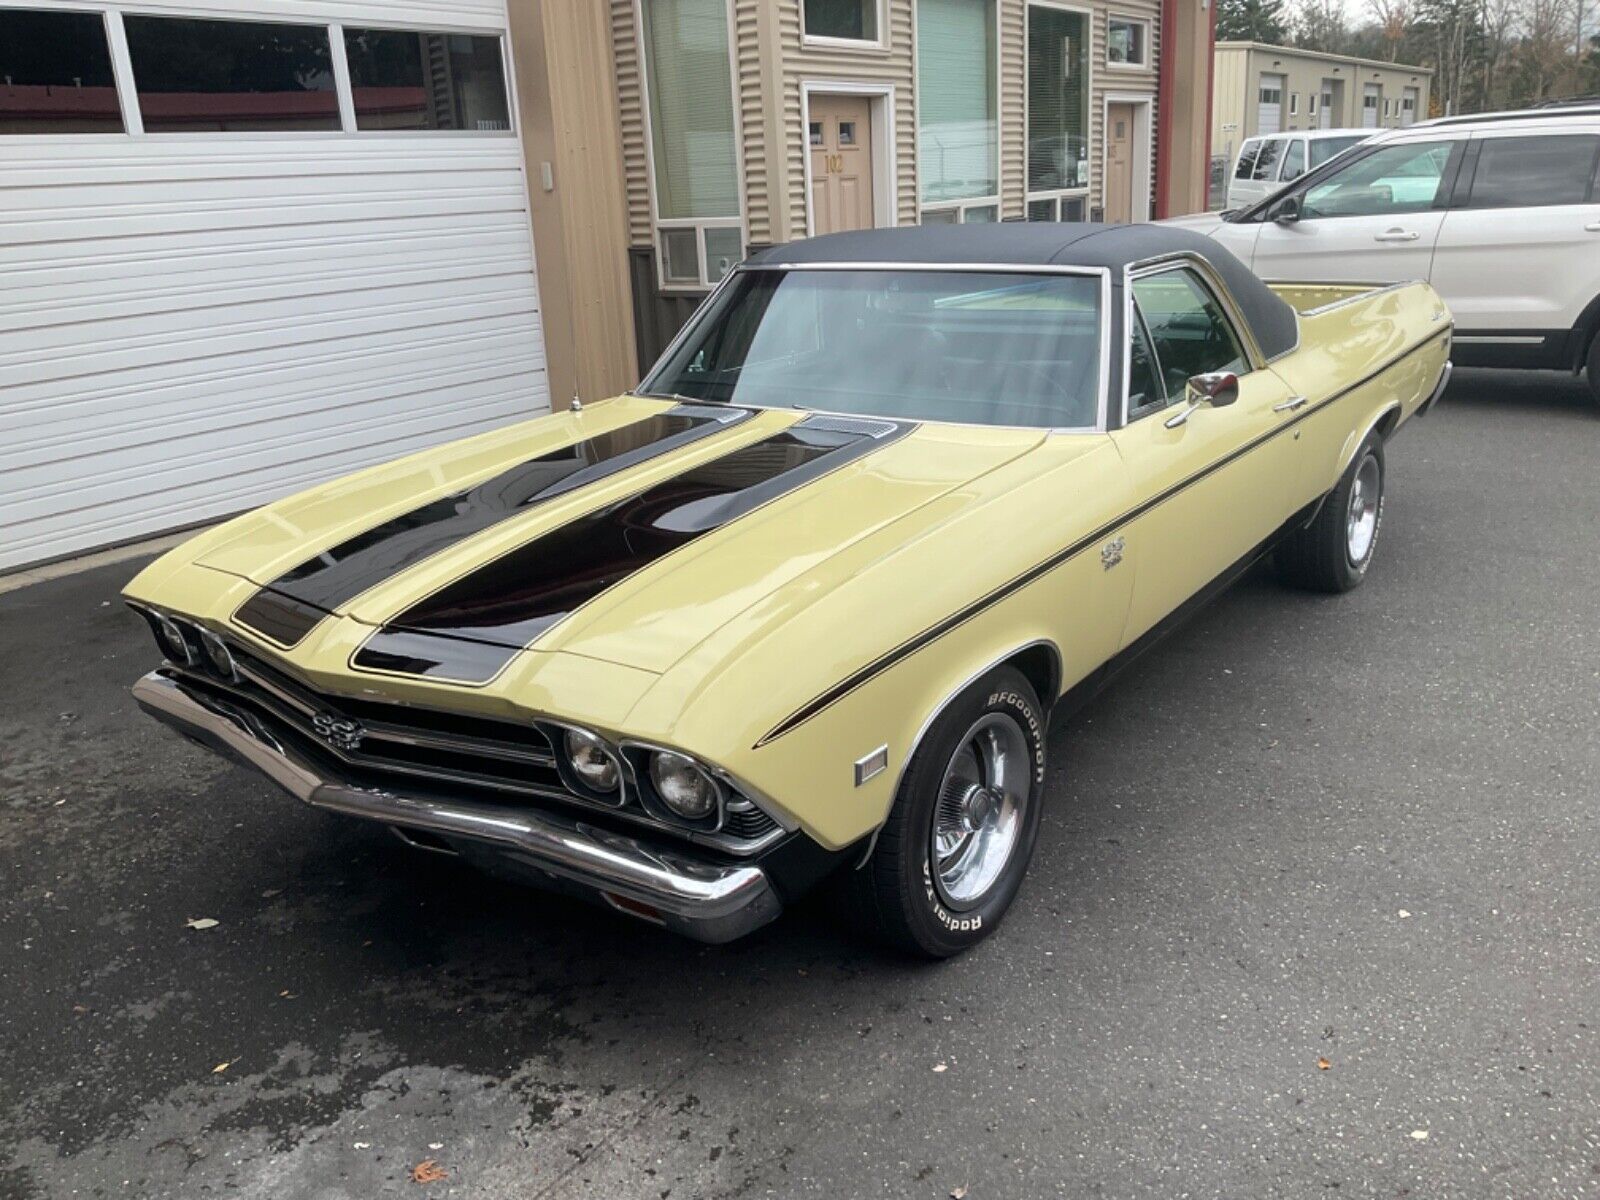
(940, 1067)
(1403, 914)
(201, 923)
(223, 1066)
(958, 1193)
(435, 1145)
(361, 1145)
(1323, 1064)
(428, 1171)
(1420, 1135)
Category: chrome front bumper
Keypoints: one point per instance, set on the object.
(709, 902)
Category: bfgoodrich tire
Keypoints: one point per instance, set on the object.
(1332, 553)
(957, 843)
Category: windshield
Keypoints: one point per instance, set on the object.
(1322, 149)
(979, 348)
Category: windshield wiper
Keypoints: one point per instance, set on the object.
(679, 397)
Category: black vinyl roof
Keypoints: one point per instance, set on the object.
(1045, 243)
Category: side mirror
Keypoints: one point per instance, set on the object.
(1288, 210)
(1218, 389)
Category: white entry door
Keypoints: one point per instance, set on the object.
(1371, 97)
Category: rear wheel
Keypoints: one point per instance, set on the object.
(1332, 553)
(950, 858)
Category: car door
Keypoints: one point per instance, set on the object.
(1216, 484)
(1239, 193)
(1373, 219)
(1518, 255)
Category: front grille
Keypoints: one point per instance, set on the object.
(498, 760)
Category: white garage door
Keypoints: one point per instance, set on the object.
(1269, 108)
(241, 257)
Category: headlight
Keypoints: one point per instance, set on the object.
(683, 787)
(173, 644)
(220, 657)
(592, 761)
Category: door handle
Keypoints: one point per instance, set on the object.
(1397, 235)
(1592, 227)
(1289, 405)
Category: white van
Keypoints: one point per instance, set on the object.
(1499, 212)
(1265, 164)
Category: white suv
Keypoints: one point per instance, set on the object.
(1500, 213)
(1265, 164)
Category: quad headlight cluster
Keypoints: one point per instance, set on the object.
(187, 644)
(669, 785)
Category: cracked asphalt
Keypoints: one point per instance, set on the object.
(1360, 831)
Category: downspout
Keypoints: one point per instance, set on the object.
(1211, 89)
(1164, 89)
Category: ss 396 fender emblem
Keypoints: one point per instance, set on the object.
(339, 732)
(1111, 553)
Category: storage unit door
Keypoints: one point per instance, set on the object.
(280, 280)
(1269, 111)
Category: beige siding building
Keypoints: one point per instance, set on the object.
(748, 123)
(1262, 89)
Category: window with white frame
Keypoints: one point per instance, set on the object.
(693, 156)
(1058, 113)
(1127, 42)
(842, 21)
(958, 137)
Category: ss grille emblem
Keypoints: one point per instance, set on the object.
(339, 732)
(1111, 553)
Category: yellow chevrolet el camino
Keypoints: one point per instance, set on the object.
(799, 608)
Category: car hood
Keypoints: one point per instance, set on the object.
(457, 563)
(1206, 223)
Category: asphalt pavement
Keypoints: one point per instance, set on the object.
(1315, 912)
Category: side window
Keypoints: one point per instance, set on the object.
(1399, 178)
(1189, 332)
(1527, 172)
(1294, 162)
(1267, 163)
(1144, 384)
(1247, 159)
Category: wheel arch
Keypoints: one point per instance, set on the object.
(1383, 424)
(1039, 660)
(1584, 331)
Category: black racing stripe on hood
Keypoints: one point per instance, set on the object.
(287, 609)
(505, 604)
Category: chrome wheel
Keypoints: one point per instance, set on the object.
(978, 820)
(1361, 520)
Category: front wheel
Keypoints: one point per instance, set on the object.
(1332, 553)
(950, 858)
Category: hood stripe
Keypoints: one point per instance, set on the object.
(289, 607)
(467, 631)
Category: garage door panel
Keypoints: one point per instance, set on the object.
(194, 324)
(82, 304)
(124, 476)
(95, 526)
(38, 354)
(58, 434)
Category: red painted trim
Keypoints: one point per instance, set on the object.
(1164, 86)
(1211, 63)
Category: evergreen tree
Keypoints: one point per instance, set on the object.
(1251, 21)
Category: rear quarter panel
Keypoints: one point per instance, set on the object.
(1365, 356)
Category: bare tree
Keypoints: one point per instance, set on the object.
(1498, 19)
(1393, 18)
(1545, 47)
(1320, 25)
